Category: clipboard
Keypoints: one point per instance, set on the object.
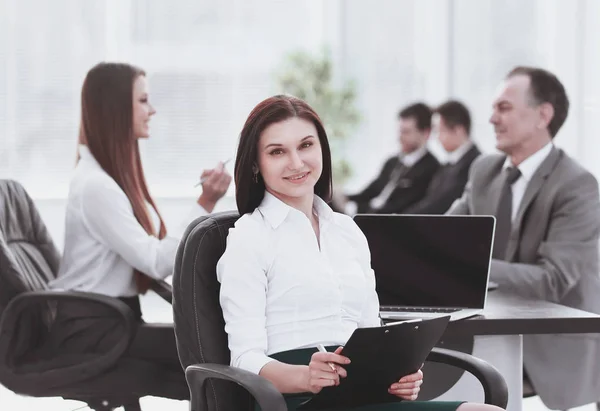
(379, 357)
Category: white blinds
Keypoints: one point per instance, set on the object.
(210, 61)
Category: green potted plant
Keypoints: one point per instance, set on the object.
(309, 77)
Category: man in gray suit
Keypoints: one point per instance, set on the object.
(547, 228)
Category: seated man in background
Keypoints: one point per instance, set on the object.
(448, 183)
(547, 228)
(404, 178)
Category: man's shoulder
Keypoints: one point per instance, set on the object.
(569, 170)
(471, 155)
(464, 163)
(489, 160)
(431, 158)
(391, 160)
(487, 165)
(428, 162)
(568, 163)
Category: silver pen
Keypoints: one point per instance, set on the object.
(321, 348)
(203, 179)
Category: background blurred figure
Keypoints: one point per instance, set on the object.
(111, 216)
(404, 178)
(115, 239)
(547, 229)
(448, 183)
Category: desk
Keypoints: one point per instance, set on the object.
(496, 336)
(498, 339)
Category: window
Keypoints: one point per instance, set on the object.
(210, 61)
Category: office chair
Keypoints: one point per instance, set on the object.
(202, 341)
(28, 365)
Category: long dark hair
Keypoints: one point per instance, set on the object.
(107, 130)
(248, 193)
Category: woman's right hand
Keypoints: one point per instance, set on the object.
(320, 373)
(214, 187)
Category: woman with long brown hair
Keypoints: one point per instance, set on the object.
(116, 242)
(295, 274)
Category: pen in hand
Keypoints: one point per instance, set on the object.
(321, 348)
(203, 179)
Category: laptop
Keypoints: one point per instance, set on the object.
(429, 265)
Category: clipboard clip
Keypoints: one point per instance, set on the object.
(414, 320)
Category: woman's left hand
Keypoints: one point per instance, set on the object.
(408, 387)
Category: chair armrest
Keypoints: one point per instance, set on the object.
(263, 391)
(163, 289)
(494, 385)
(269, 399)
(66, 375)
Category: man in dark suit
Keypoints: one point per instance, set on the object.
(547, 212)
(448, 183)
(404, 178)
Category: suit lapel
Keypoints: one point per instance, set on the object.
(494, 189)
(406, 175)
(451, 173)
(534, 186)
(468, 157)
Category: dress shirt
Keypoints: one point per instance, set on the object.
(104, 242)
(411, 159)
(406, 160)
(455, 156)
(527, 168)
(281, 291)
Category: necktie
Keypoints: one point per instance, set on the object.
(504, 213)
(379, 201)
(398, 171)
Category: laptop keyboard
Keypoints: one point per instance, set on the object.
(418, 309)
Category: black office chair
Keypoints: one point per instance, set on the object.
(202, 341)
(28, 365)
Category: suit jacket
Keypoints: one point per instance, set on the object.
(411, 186)
(447, 185)
(552, 255)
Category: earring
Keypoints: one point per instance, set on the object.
(255, 177)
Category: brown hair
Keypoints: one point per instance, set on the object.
(249, 193)
(545, 87)
(421, 112)
(455, 114)
(107, 130)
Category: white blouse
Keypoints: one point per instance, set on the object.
(104, 242)
(279, 291)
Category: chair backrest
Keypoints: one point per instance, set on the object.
(198, 318)
(28, 257)
(28, 261)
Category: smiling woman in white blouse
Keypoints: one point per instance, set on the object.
(295, 274)
(116, 242)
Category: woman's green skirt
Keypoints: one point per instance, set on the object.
(302, 357)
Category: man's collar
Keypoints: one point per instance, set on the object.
(529, 166)
(411, 159)
(455, 156)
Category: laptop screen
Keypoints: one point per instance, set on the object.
(430, 260)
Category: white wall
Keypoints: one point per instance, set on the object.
(210, 62)
(432, 50)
